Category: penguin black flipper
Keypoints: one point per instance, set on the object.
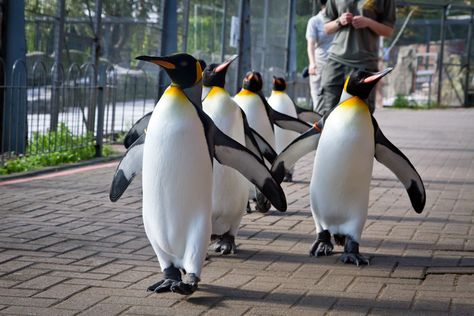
(231, 153)
(390, 156)
(299, 147)
(307, 115)
(137, 130)
(282, 120)
(128, 168)
(265, 148)
(250, 139)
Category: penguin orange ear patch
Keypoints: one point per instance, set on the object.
(164, 64)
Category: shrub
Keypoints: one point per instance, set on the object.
(53, 148)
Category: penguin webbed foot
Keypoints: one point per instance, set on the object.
(351, 253)
(355, 258)
(288, 177)
(224, 244)
(322, 245)
(186, 288)
(248, 209)
(172, 275)
(262, 204)
(161, 286)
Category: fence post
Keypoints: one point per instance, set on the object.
(290, 64)
(441, 52)
(223, 30)
(244, 49)
(169, 35)
(264, 35)
(99, 140)
(58, 50)
(186, 25)
(96, 51)
(468, 61)
(14, 130)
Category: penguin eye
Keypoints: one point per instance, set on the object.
(184, 63)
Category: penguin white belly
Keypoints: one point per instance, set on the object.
(256, 115)
(177, 184)
(342, 171)
(282, 103)
(230, 191)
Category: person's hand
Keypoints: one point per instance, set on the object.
(312, 69)
(360, 22)
(345, 18)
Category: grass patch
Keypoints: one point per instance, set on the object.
(53, 148)
(402, 102)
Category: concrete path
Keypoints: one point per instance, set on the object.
(65, 249)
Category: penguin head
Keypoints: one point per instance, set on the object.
(279, 84)
(253, 81)
(214, 74)
(360, 83)
(183, 69)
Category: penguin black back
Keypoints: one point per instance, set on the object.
(253, 81)
(279, 84)
(183, 69)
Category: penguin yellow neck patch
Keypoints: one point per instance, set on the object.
(245, 92)
(216, 90)
(175, 91)
(277, 92)
(346, 82)
(354, 102)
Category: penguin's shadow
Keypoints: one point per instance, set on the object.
(217, 296)
(377, 260)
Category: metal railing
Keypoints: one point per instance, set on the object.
(52, 110)
(44, 110)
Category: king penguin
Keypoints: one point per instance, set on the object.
(347, 139)
(178, 151)
(230, 192)
(281, 102)
(262, 118)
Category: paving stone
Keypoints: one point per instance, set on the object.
(66, 249)
(61, 291)
(41, 282)
(105, 309)
(81, 301)
(27, 310)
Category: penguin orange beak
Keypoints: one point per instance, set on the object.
(225, 64)
(378, 75)
(160, 61)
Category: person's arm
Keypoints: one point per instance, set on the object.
(311, 58)
(334, 25)
(380, 29)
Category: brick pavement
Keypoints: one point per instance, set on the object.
(66, 250)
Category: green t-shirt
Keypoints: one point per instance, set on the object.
(358, 47)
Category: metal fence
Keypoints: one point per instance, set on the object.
(433, 55)
(64, 109)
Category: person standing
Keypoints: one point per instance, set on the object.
(318, 43)
(357, 27)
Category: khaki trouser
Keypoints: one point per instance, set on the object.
(332, 84)
(315, 85)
